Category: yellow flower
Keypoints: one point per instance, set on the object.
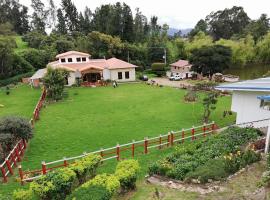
(238, 153)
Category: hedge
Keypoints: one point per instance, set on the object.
(158, 68)
(126, 172)
(109, 181)
(93, 193)
(86, 167)
(15, 79)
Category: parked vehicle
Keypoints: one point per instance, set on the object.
(175, 78)
(143, 78)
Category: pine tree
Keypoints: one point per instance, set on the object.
(71, 15)
(39, 16)
(61, 26)
(127, 17)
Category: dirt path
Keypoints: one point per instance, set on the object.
(167, 82)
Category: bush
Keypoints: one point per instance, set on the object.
(86, 167)
(186, 158)
(24, 195)
(205, 85)
(110, 182)
(214, 170)
(191, 96)
(55, 185)
(15, 79)
(126, 172)
(92, 192)
(158, 68)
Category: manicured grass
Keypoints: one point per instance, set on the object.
(91, 118)
(20, 102)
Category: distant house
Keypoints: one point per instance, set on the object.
(250, 100)
(182, 68)
(90, 70)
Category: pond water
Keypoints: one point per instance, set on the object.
(250, 71)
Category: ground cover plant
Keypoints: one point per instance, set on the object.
(192, 160)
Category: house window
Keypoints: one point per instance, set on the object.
(126, 75)
(69, 59)
(265, 105)
(174, 67)
(120, 75)
(63, 60)
(84, 59)
(78, 59)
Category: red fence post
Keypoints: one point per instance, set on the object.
(169, 139)
(160, 141)
(133, 148)
(118, 152)
(192, 133)
(101, 152)
(145, 145)
(183, 135)
(4, 174)
(43, 165)
(9, 166)
(21, 148)
(13, 157)
(17, 153)
(204, 129)
(172, 138)
(213, 127)
(65, 162)
(21, 174)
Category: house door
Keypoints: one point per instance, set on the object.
(186, 75)
(92, 77)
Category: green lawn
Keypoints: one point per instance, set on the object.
(21, 45)
(91, 118)
(21, 101)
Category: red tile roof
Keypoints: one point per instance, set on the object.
(181, 63)
(114, 63)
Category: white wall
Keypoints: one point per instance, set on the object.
(247, 106)
(106, 74)
(71, 78)
(74, 60)
(114, 74)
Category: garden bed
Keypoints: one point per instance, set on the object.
(212, 159)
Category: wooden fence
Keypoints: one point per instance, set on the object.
(17, 152)
(129, 150)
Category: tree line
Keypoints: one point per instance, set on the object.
(112, 30)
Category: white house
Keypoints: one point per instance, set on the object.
(181, 68)
(90, 70)
(250, 100)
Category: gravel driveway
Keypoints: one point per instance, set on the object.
(167, 82)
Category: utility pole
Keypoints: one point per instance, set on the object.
(165, 56)
(128, 56)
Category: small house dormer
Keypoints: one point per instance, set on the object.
(73, 57)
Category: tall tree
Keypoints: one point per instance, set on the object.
(259, 28)
(201, 26)
(140, 22)
(116, 20)
(52, 14)
(39, 16)
(127, 18)
(71, 15)
(226, 23)
(210, 59)
(61, 25)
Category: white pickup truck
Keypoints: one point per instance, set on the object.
(175, 78)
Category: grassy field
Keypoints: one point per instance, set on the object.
(21, 101)
(91, 118)
(21, 45)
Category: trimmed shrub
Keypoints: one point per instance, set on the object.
(126, 172)
(110, 182)
(24, 195)
(92, 192)
(86, 167)
(191, 96)
(214, 170)
(205, 85)
(158, 68)
(55, 185)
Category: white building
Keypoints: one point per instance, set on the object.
(91, 70)
(250, 100)
(181, 68)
